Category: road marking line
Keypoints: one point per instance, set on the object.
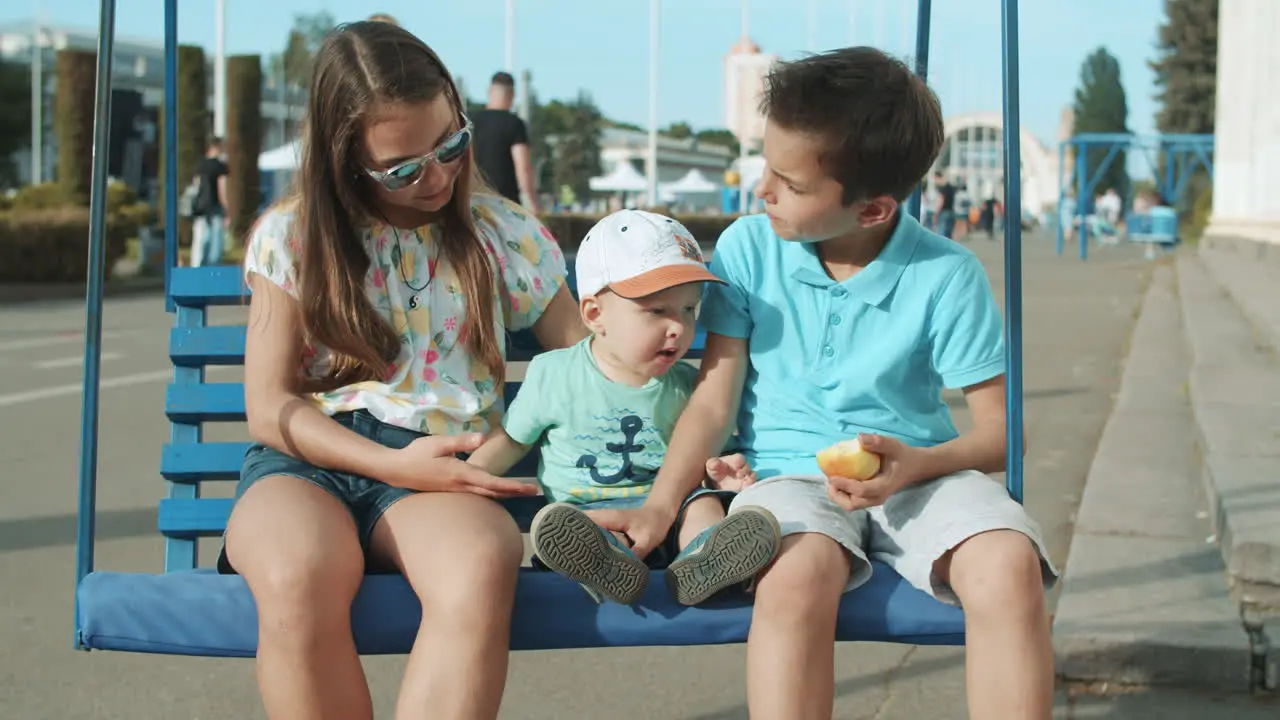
(76, 361)
(75, 388)
(59, 339)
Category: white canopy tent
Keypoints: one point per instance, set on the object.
(623, 178)
(693, 183)
(285, 157)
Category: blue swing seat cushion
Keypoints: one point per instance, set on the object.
(200, 612)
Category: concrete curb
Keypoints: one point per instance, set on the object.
(21, 293)
(1235, 394)
(1144, 598)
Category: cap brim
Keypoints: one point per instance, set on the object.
(660, 279)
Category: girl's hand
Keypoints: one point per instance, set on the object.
(900, 466)
(730, 472)
(429, 464)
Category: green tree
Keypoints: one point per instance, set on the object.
(15, 117)
(546, 122)
(577, 148)
(1186, 66)
(678, 131)
(73, 120)
(719, 137)
(1101, 107)
(303, 41)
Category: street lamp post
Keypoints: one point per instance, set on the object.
(744, 122)
(511, 37)
(813, 26)
(220, 69)
(654, 14)
(37, 104)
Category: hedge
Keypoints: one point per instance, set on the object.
(44, 234)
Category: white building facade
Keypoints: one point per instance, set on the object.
(1246, 162)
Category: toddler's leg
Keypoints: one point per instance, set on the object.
(569, 542)
(701, 513)
(718, 552)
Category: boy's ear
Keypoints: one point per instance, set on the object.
(877, 210)
(589, 307)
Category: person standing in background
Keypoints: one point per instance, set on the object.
(502, 144)
(208, 239)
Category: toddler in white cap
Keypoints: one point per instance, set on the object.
(602, 413)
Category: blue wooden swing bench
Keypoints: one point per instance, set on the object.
(193, 610)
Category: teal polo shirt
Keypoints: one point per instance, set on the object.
(829, 360)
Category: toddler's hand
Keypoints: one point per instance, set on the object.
(730, 472)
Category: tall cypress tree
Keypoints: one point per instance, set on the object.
(1101, 107)
(73, 120)
(244, 142)
(1186, 66)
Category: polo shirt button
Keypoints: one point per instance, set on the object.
(839, 291)
(828, 351)
(834, 320)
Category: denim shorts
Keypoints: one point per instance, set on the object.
(669, 548)
(365, 498)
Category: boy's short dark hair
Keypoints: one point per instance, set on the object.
(880, 125)
(504, 79)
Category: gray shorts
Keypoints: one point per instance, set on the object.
(909, 533)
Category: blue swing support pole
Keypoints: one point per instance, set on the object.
(1012, 249)
(924, 12)
(88, 483)
(170, 148)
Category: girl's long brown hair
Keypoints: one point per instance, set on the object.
(359, 66)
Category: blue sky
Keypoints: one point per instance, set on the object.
(602, 46)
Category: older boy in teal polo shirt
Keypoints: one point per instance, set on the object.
(842, 317)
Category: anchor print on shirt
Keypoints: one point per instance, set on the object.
(631, 425)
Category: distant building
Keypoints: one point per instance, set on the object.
(675, 159)
(138, 91)
(745, 69)
(973, 154)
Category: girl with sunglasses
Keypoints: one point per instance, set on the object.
(382, 290)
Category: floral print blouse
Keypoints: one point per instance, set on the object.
(434, 386)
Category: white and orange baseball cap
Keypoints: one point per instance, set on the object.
(636, 253)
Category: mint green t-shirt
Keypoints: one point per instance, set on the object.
(599, 439)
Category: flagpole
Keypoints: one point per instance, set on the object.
(654, 14)
(220, 70)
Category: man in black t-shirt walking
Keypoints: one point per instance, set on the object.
(502, 144)
(208, 241)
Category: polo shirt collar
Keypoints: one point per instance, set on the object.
(874, 282)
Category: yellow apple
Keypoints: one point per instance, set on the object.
(850, 460)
